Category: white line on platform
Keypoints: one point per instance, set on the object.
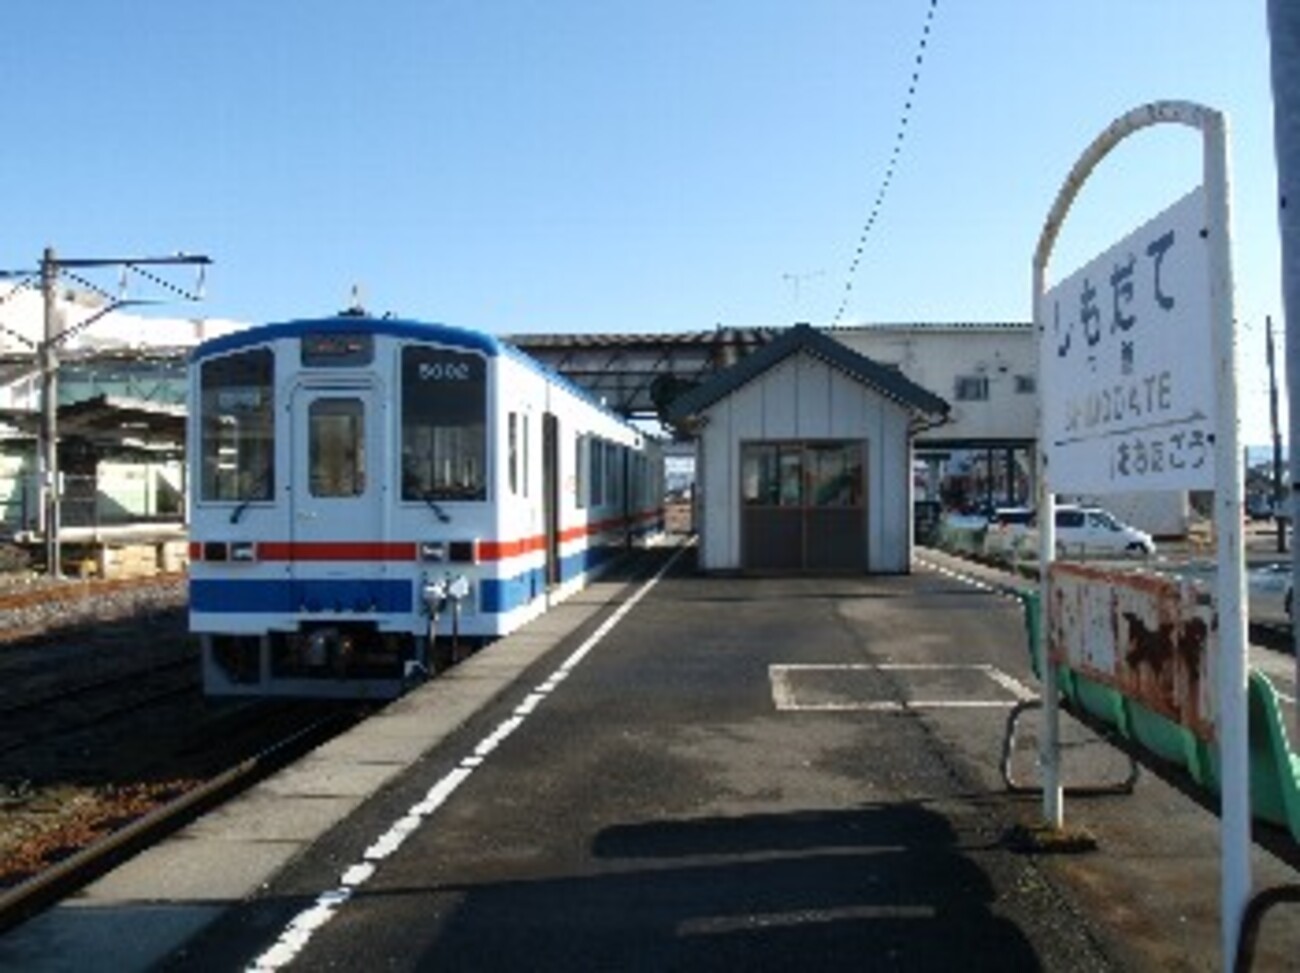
(786, 699)
(303, 926)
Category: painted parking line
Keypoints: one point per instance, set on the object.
(300, 930)
(1006, 589)
(786, 695)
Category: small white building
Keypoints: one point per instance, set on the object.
(804, 459)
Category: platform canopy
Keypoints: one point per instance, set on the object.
(109, 425)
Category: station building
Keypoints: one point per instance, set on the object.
(805, 458)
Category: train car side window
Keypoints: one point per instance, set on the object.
(512, 447)
(337, 447)
(444, 425)
(597, 482)
(524, 463)
(580, 471)
(237, 427)
(614, 474)
(517, 452)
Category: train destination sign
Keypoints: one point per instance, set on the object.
(1126, 363)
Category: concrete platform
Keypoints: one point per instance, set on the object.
(733, 774)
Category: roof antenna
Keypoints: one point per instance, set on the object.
(355, 309)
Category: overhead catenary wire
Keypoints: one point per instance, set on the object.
(877, 205)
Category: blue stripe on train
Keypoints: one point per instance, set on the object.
(502, 595)
(259, 596)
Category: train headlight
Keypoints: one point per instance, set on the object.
(458, 588)
(243, 551)
(433, 551)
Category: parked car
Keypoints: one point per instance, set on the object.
(1259, 507)
(1268, 590)
(1092, 530)
(1012, 517)
(1081, 531)
(1011, 532)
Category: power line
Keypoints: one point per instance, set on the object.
(899, 135)
(51, 268)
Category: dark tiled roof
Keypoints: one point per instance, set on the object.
(740, 336)
(936, 326)
(889, 382)
(736, 336)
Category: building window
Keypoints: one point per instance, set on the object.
(1026, 385)
(972, 388)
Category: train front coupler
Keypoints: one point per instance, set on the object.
(437, 596)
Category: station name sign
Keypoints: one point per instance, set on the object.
(1126, 368)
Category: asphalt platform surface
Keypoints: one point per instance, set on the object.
(695, 773)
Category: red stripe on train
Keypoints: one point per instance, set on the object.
(408, 551)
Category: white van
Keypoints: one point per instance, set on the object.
(1092, 530)
(1081, 531)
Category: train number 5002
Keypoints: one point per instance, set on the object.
(444, 372)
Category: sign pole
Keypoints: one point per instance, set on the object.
(1049, 740)
(1284, 46)
(1233, 718)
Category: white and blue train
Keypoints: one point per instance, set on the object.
(365, 492)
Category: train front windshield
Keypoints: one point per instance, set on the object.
(444, 425)
(237, 429)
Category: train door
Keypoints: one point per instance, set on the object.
(551, 495)
(336, 489)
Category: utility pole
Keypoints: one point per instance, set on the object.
(49, 453)
(1278, 519)
(1284, 57)
(47, 360)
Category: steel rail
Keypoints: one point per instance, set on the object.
(77, 870)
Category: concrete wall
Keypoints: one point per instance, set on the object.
(803, 398)
(936, 356)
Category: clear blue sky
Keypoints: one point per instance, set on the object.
(607, 165)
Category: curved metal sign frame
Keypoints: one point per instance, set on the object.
(1233, 726)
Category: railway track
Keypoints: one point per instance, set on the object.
(36, 719)
(78, 869)
(107, 743)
